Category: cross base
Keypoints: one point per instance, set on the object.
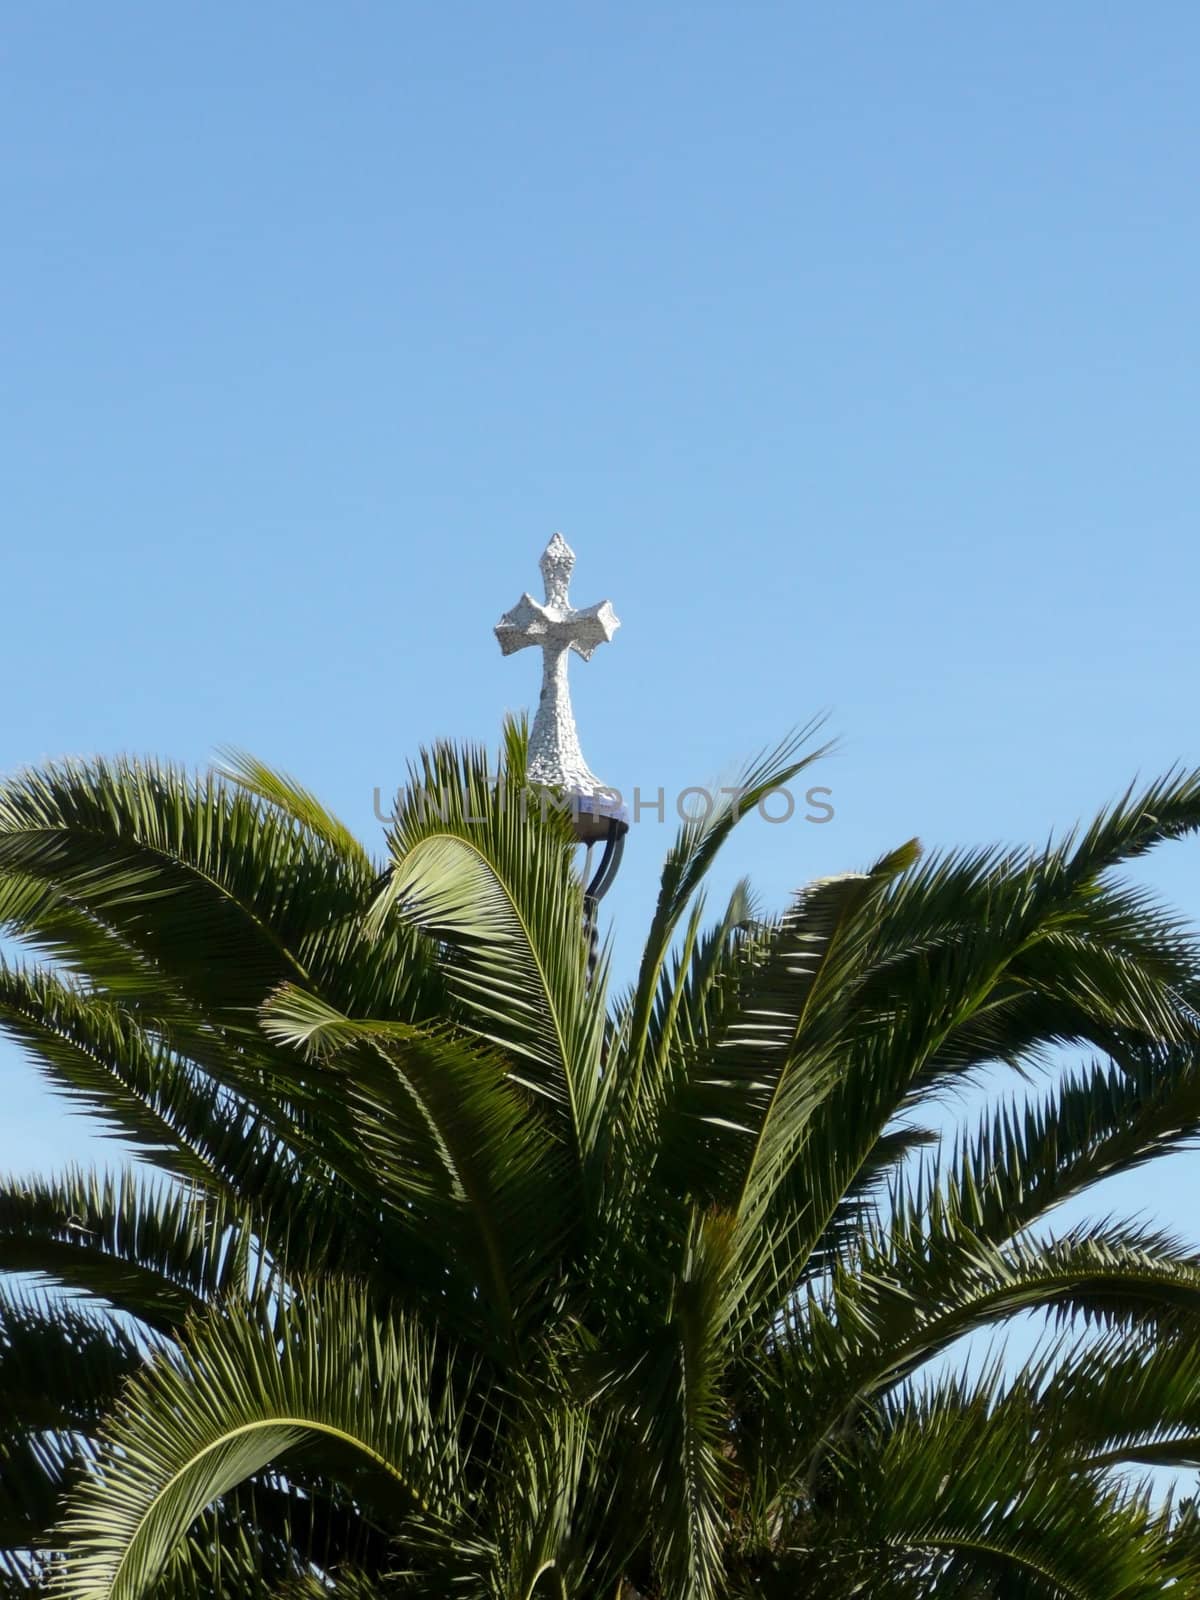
(597, 817)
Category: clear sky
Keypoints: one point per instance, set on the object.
(856, 350)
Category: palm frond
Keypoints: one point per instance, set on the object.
(285, 794)
(691, 856)
(956, 1482)
(151, 1251)
(105, 1059)
(454, 1143)
(489, 876)
(242, 1393)
(456, 1282)
(909, 1297)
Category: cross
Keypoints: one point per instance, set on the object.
(555, 758)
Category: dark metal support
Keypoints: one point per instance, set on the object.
(610, 861)
(615, 829)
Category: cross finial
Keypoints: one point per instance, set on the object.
(557, 562)
(557, 628)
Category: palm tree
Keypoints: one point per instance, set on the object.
(458, 1278)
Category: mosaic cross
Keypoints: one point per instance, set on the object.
(557, 628)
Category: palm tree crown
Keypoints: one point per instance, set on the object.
(460, 1277)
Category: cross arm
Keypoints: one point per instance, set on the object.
(529, 622)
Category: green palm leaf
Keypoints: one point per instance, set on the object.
(454, 1279)
(146, 1249)
(243, 1393)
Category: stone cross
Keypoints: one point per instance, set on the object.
(557, 628)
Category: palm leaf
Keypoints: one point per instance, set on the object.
(243, 1393)
(491, 879)
(147, 1250)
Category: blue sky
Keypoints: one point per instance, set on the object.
(857, 354)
